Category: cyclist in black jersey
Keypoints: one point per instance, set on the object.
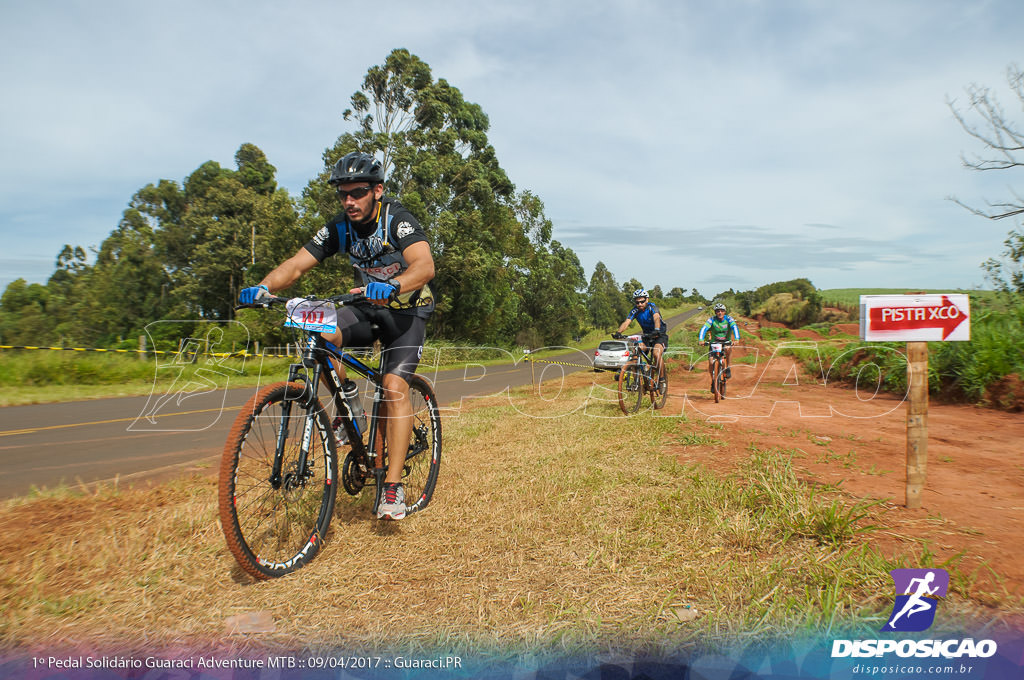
(386, 244)
(647, 315)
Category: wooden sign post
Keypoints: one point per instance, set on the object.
(917, 421)
(917, 318)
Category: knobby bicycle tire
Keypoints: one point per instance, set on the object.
(423, 462)
(423, 459)
(274, 531)
(715, 378)
(722, 382)
(659, 397)
(631, 393)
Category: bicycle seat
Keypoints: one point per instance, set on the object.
(380, 320)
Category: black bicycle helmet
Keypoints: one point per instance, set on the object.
(357, 167)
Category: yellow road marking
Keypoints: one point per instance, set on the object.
(29, 430)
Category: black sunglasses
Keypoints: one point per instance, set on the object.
(356, 193)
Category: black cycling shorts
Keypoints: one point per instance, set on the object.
(402, 340)
(662, 339)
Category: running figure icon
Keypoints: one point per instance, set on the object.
(916, 603)
(917, 592)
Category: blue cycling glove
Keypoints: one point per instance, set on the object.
(253, 293)
(377, 290)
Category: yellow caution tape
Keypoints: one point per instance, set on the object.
(146, 351)
(559, 363)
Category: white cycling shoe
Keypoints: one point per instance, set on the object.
(392, 502)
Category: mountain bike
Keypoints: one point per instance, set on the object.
(637, 377)
(279, 471)
(716, 356)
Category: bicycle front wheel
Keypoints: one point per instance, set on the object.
(716, 380)
(631, 392)
(275, 524)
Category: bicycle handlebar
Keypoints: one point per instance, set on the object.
(375, 313)
(341, 300)
(644, 337)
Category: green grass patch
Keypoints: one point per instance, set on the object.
(41, 376)
(849, 298)
(768, 333)
(960, 370)
(698, 439)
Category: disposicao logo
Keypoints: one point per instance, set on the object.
(917, 593)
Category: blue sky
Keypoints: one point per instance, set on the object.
(680, 142)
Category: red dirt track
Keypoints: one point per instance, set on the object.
(973, 502)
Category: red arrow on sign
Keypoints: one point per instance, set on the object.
(946, 316)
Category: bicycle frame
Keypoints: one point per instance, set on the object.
(641, 376)
(716, 358)
(644, 357)
(315, 366)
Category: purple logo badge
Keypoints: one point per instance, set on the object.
(917, 595)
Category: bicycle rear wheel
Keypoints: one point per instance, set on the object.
(273, 527)
(423, 459)
(659, 396)
(631, 392)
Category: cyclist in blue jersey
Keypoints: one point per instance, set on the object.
(718, 328)
(389, 249)
(647, 315)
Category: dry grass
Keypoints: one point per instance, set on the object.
(545, 535)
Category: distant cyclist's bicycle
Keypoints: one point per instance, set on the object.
(279, 471)
(638, 378)
(716, 356)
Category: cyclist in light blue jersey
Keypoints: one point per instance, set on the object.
(718, 328)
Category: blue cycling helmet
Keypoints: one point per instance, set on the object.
(640, 293)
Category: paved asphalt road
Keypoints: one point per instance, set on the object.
(133, 438)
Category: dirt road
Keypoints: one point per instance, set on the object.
(973, 503)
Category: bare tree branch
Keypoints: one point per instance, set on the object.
(998, 134)
(1004, 144)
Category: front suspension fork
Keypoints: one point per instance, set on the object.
(307, 397)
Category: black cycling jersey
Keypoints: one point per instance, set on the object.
(375, 249)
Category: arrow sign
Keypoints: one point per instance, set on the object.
(912, 318)
(945, 316)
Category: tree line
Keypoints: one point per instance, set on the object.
(185, 250)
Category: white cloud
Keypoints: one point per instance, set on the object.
(679, 117)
